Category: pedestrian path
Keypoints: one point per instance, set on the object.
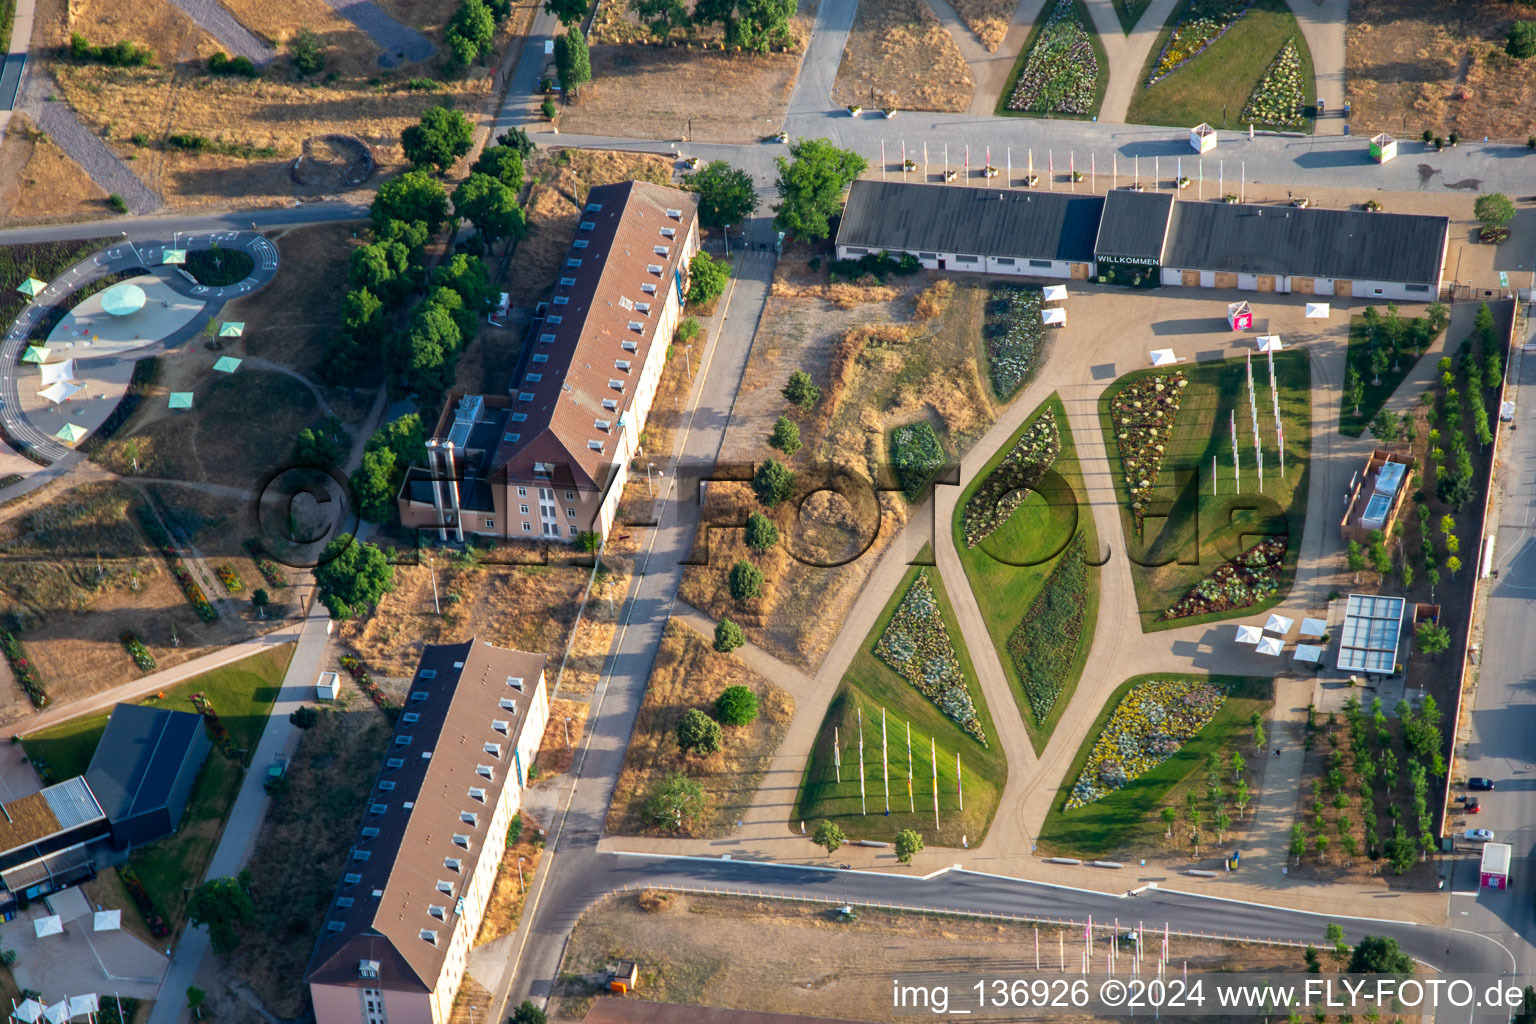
(1126, 53)
(219, 22)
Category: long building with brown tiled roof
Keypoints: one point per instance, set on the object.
(397, 935)
(549, 459)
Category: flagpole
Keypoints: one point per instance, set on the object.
(959, 781)
(911, 806)
(933, 761)
(837, 756)
(885, 763)
(882, 159)
(863, 809)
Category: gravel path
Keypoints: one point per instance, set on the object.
(397, 41)
(218, 22)
(93, 155)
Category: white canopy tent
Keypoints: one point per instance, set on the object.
(28, 1011)
(1163, 357)
(1309, 653)
(1054, 293)
(1054, 316)
(61, 391)
(58, 371)
(58, 1013)
(1271, 645)
(1249, 634)
(51, 925)
(107, 921)
(1279, 624)
(1270, 343)
(82, 1005)
(1313, 627)
(1317, 311)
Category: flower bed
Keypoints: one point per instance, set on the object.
(230, 579)
(1280, 95)
(917, 455)
(157, 535)
(142, 900)
(270, 570)
(22, 668)
(364, 681)
(216, 727)
(1143, 413)
(1061, 74)
(1013, 331)
(1243, 581)
(1203, 22)
(1045, 643)
(138, 652)
(916, 644)
(1148, 726)
(1005, 488)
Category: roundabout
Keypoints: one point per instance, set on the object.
(86, 364)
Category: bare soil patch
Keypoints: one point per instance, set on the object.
(1442, 67)
(689, 673)
(899, 56)
(518, 863)
(333, 162)
(39, 181)
(989, 19)
(562, 736)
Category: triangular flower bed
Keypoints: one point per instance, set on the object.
(1143, 413)
(1238, 583)
(917, 645)
(1005, 488)
(1148, 726)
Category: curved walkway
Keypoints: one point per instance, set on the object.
(1126, 51)
(126, 256)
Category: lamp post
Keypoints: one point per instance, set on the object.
(649, 466)
(521, 887)
(567, 732)
(727, 241)
(688, 355)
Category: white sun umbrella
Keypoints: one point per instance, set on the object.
(1279, 624)
(1163, 357)
(52, 925)
(58, 1013)
(1271, 645)
(1270, 343)
(81, 1005)
(1055, 316)
(1313, 627)
(61, 391)
(28, 1011)
(1054, 293)
(1309, 653)
(1249, 634)
(1317, 311)
(107, 921)
(58, 371)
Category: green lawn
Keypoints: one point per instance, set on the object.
(870, 684)
(1102, 83)
(242, 694)
(1214, 86)
(1352, 423)
(1004, 582)
(1128, 819)
(1201, 531)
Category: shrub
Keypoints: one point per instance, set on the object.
(908, 844)
(118, 203)
(304, 717)
(121, 54)
(786, 435)
(916, 455)
(1522, 40)
(707, 278)
(761, 533)
(222, 64)
(829, 836)
(138, 652)
(745, 581)
(1494, 209)
(737, 706)
(773, 482)
(728, 636)
(548, 109)
(800, 391)
(686, 331)
(675, 803)
(697, 733)
(21, 667)
(304, 52)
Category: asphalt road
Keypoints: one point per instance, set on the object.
(1503, 721)
(166, 226)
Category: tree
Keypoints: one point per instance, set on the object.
(1432, 638)
(528, 1013)
(490, 206)
(305, 54)
(745, 581)
(773, 482)
(362, 313)
(1521, 44)
(707, 278)
(1298, 841)
(1452, 564)
(828, 836)
(800, 391)
(568, 11)
(502, 162)
(1320, 843)
(908, 844)
(573, 60)
(697, 733)
(753, 25)
(726, 195)
(439, 138)
(352, 576)
(471, 32)
(1379, 361)
(811, 187)
(413, 196)
(1240, 795)
(728, 636)
(324, 445)
(661, 16)
(1354, 388)
(1495, 209)
(260, 599)
(761, 533)
(1223, 822)
(195, 997)
(674, 803)
(378, 268)
(304, 717)
(1355, 556)
(1257, 721)
(222, 904)
(736, 705)
(1169, 816)
(1377, 954)
(375, 484)
(1385, 426)
(785, 436)
(1238, 764)
(1334, 935)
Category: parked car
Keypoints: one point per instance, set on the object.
(1472, 806)
(1478, 782)
(1477, 835)
(279, 766)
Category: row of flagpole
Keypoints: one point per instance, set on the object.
(1253, 416)
(885, 767)
(989, 172)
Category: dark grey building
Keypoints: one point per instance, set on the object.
(144, 768)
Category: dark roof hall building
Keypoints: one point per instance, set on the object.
(144, 768)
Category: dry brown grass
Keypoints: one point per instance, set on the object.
(933, 300)
(349, 50)
(989, 19)
(661, 427)
(38, 181)
(561, 179)
(158, 24)
(505, 906)
(797, 958)
(899, 56)
(1440, 66)
(688, 673)
(555, 753)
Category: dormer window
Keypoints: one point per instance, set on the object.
(636, 325)
(603, 425)
(459, 839)
(410, 717)
(377, 808)
(509, 704)
(352, 878)
(417, 696)
(511, 438)
(573, 263)
(594, 207)
(648, 288)
(588, 225)
(533, 378)
(445, 887)
(643, 307)
(669, 232)
(441, 913)
(541, 357)
(334, 926)
(494, 749)
(661, 250)
(429, 935)
(516, 682)
(616, 385)
(361, 854)
(631, 346)
(387, 784)
(501, 725)
(344, 902)
(654, 268)
(402, 741)
(519, 417)
(621, 364)
(546, 339)
(596, 446)
(610, 404)
(453, 864)
(525, 396)
(395, 762)
(470, 818)
(486, 770)
(566, 282)
(554, 318)
(477, 793)
(369, 832)
(561, 300)
(367, 968)
(675, 214)
(580, 243)
(427, 673)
